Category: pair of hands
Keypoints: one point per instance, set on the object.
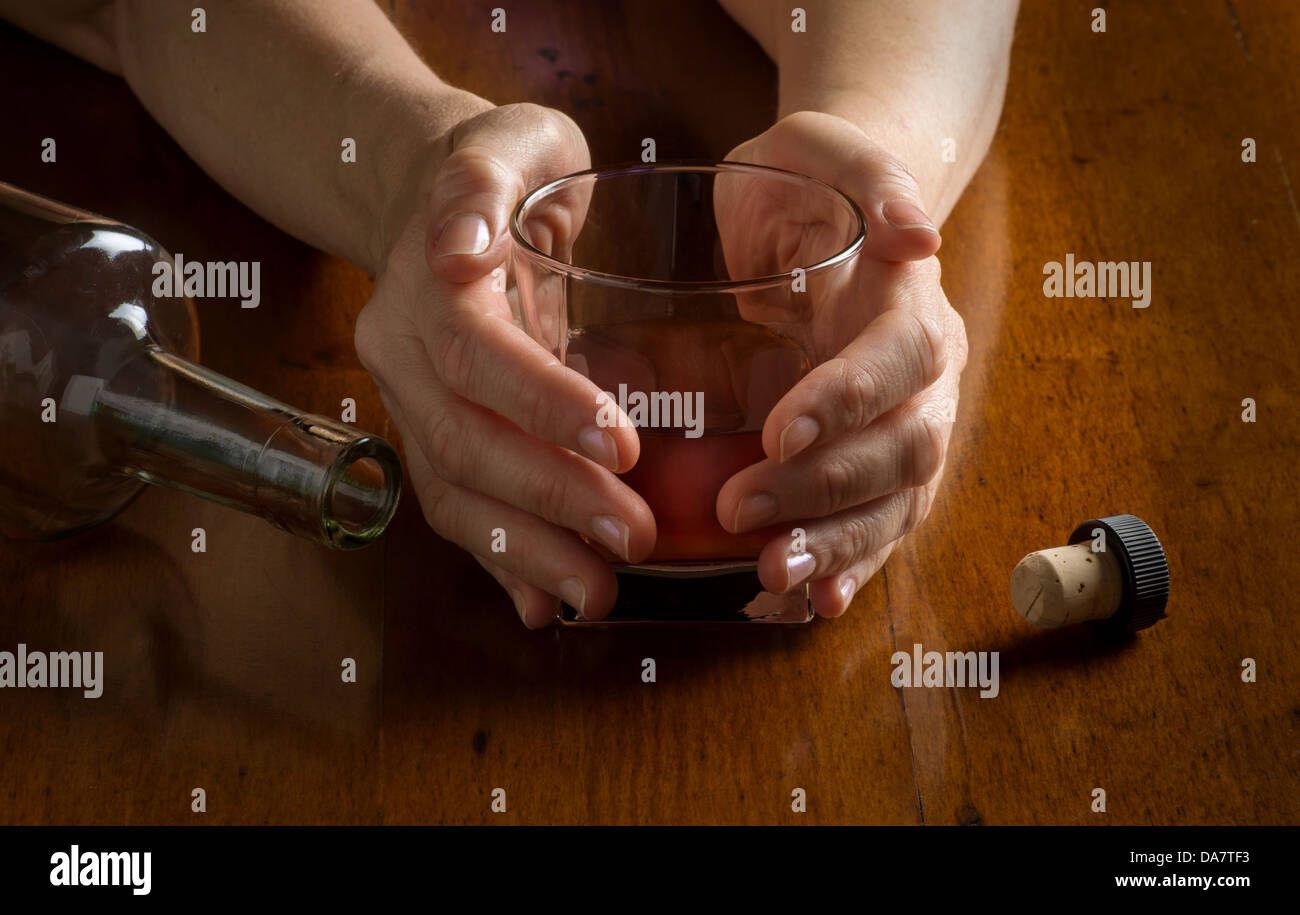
(498, 434)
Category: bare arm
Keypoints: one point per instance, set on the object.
(264, 98)
(910, 73)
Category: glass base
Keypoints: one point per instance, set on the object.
(696, 593)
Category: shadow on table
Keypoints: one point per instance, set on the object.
(451, 634)
(1062, 649)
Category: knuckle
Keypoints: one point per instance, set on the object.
(437, 503)
(455, 356)
(515, 110)
(801, 122)
(473, 170)
(366, 338)
(920, 499)
(834, 483)
(551, 496)
(557, 124)
(958, 342)
(462, 131)
(898, 172)
(535, 121)
(549, 134)
(924, 281)
(864, 160)
(443, 445)
(859, 536)
(525, 111)
(859, 393)
(928, 344)
(928, 438)
(892, 176)
(901, 507)
(929, 270)
(536, 407)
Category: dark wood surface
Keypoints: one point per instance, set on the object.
(223, 668)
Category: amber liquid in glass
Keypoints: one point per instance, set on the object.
(742, 370)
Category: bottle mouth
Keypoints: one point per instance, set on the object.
(361, 493)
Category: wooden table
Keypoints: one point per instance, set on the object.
(223, 668)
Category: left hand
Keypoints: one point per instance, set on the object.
(856, 449)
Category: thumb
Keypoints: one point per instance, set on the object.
(472, 199)
(495, 159)
(839, 153)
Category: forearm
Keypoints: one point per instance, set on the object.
(264, 98)
(911, 73)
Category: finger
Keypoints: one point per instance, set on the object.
(833, 595)
(491, 361)
(534, 606)
(547, 557)
(898, 355)
(903, 450)
(473, 448)
(495, 159)
(832, 545)
(488, 361)
(835, 151)
(835, 544)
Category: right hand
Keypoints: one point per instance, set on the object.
(497, 433)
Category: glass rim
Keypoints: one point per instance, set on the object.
(599, 277)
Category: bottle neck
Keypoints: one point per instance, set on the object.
(164, 419)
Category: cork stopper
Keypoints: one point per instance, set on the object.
(1067, 585)
(1112, 574)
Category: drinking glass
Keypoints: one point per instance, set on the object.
(689, 293)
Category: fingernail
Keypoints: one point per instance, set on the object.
(903, 214)
(574, 593)
(520, 607)
(797, 436)
(599, 446)
(797, 568)
(848, 587)
(464, 234)
(613, 532)
(753, 510)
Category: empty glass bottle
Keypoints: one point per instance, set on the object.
(100, 394)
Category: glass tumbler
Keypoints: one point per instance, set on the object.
(688, 293)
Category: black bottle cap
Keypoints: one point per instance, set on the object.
(1143, 565)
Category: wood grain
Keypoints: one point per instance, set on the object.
(223, 667)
